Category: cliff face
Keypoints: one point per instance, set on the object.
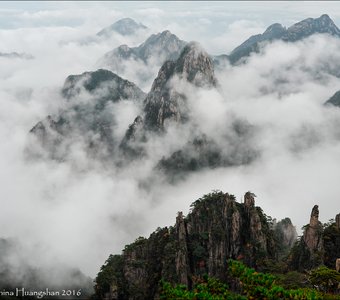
(86, 116)
(216, 229)
(320, 244)
(285, 234)
(312, 234)
(164, 101)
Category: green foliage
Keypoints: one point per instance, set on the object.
(208, 289)
(301, 258)
(264, 286)
(250, 284)
(273, 266)
(110, 273)
(325, 279)
(293, 280)
(211, 197)
(141, 241)
(331, 242)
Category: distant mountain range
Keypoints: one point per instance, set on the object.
(89, 94)
(166, 46)
(16, 55)
(296, 32)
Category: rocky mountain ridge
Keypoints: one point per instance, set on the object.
(216, 229)
(166, 103)
(86, 115)
(296, 32)
(161, 47)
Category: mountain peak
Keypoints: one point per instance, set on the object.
(307, 27)
(194, 47)
(325, 17)
(89, 118)
(159, 47)
(274, 30)
(196, 66)
(161, 44)
(165, 33)
(125, 26)
(296, 32)
(164, 102)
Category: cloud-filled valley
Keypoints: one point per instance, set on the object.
(263, 122)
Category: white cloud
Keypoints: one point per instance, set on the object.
(81, 215)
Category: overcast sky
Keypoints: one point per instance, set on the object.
(94, 214)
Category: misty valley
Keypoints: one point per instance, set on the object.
(132, 153)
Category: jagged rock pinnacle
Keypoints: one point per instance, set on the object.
(314, 217)
(164, 102)
(337, 221)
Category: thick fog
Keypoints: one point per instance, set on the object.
(76, 212)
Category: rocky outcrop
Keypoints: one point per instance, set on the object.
(312, 234)
(85, 118)
(308, 253)
(103, 86)
(294, 33)
(337, 221)
(126, 26)
(216, 229)
(182, 259)
(334, 100)
(320, 244)
(285, 234)
(165, 102)
(132, 144)
(159, 47)
(204, 152)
